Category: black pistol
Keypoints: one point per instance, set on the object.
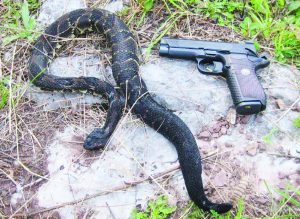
(237, 62)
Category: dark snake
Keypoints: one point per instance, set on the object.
(125, 68)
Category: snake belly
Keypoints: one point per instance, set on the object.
(125, 68)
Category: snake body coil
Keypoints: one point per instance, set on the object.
(125, 67)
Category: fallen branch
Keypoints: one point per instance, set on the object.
(284, 155)
(115, 189)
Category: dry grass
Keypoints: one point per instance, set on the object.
(26, 129)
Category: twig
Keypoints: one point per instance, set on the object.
(98, 2)
(35, 182)
(115, 189)
(24, 205)
(32, 135)
(187, 211)
(10, 89)
(1, 68)
(284, 155)
(9, 177)
(279, 210)
(289, 109)
(110, 211)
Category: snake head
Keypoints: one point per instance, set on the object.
(97, 139)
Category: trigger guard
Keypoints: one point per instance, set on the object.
(217, 67)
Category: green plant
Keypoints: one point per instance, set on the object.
(297, 122)
(194, 212)
(178, 5)
(287, 47)
(158, 209)
(238, 214)
(192, 2)
(147, 6)
(18, 24)
(287, 205)
(125, 11)
(197, 213)
(4, 94)
(223, 11)
(259, 20)
(268, 138)
(278, 23)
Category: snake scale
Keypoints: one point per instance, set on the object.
(125, 68)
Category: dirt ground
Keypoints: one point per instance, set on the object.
(45, 172)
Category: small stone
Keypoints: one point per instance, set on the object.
(211, 130)
(245, 119)
(280, 104)
(241, 130)
(224, 123)
(201, 108)
(281, 175)
(205, 152)
(249, 137)
(220, 179)
(262, 147)
(206, 167)
(54, 215)
(218, 117)
(228, 145)
(217, 127)
(282, 185)
(214, 145)
(252, 149)
(295, 178)
(259, 119)
(231, 116)
(204, 135)
(215, 135)
(224, 130)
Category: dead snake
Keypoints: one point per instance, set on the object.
(125, 68)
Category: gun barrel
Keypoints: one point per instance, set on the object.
(190, 47)
(176, 52)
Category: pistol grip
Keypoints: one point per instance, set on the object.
(246, 90)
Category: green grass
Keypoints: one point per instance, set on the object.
(17, 23)
(268, 138)
(273, 24)
(196, 213)
(287, 206)
(224, 12)
(157, 209)
(297, 122)
(4, 94)
(8, 88)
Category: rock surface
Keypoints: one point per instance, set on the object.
(136, 151)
